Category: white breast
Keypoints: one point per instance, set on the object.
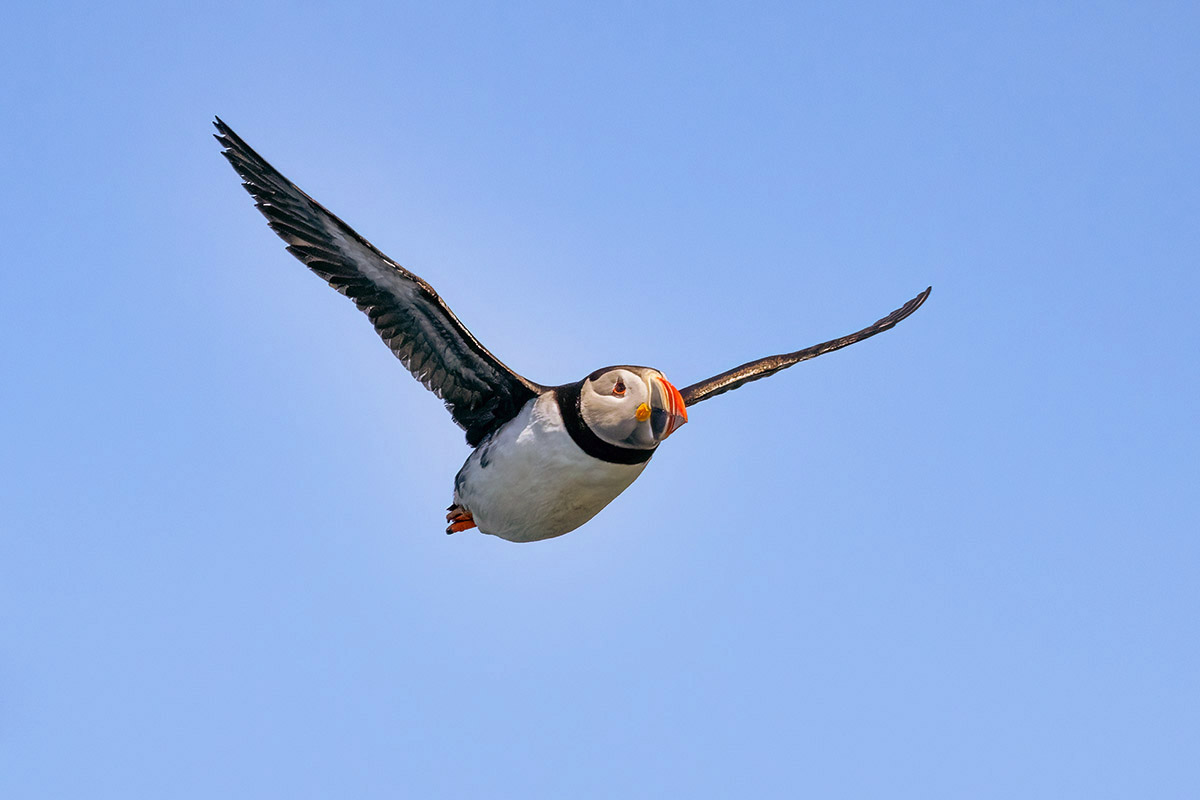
(530, 481)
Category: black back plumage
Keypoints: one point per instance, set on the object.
(480, 392)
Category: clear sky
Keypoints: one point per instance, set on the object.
(957, 560)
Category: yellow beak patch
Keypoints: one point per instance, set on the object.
(642, 413)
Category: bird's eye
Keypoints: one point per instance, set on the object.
(619, 389)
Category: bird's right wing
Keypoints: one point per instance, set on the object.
(752, 371)
(480, 392)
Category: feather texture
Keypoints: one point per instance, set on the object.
(763, 367)
(480, 392)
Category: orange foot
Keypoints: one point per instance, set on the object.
(459, 518)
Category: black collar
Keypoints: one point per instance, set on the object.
(569, 399)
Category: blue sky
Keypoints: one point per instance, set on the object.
(958, 560)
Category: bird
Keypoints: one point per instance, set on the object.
(544, 459)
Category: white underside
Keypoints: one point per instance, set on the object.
(530, 481)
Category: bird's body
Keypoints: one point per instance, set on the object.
(546, 459)
(530, 481)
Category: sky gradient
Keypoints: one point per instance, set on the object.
(956, 560)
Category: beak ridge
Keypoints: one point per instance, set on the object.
(672, 408)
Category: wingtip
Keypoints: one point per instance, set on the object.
(919, 300)
(227, 137)
(222, 134)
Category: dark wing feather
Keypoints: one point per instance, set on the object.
(763, 367)
(479, 390)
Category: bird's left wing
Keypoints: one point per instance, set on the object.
(480, 392)
(752, 371)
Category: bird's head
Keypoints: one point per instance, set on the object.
(631, 406)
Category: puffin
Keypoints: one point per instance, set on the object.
(544, 459)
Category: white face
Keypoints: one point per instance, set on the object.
(631, 407)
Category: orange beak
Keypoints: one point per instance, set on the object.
(668, 410)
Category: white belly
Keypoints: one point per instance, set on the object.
(529, 481)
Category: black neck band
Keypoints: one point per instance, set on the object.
(569, 399)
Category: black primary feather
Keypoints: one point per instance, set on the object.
(754, 370)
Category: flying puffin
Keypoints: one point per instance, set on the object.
(546, 459)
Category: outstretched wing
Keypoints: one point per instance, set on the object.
(763, 367)
(479, 390)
